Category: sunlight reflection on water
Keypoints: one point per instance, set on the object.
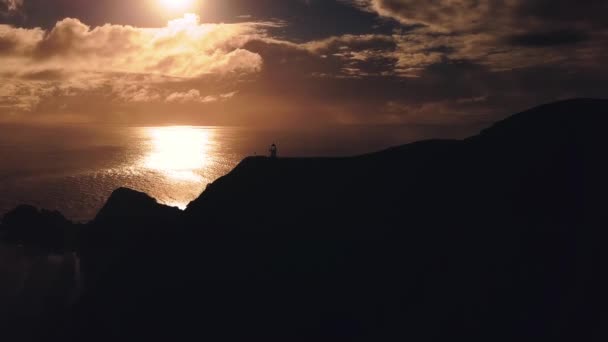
(173, 164)
(75, 168)
(177, 162)
(179, 152)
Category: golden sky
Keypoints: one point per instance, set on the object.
(295, 62)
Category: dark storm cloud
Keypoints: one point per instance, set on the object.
(446, 50)
(467, 15)
(460, 60)
(543, 39)
(589, 13)
(500, 34)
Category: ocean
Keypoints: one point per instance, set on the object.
(74, 168)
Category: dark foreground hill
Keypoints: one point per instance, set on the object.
(500, 237)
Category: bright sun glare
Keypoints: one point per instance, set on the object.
(177, 5)
(178, 152)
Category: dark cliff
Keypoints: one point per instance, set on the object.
(498, 237)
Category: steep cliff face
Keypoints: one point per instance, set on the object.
(499, 237)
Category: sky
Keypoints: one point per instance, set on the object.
(296, 62)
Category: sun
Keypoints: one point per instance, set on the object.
(177, 5)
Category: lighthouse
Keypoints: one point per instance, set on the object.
(273, 151)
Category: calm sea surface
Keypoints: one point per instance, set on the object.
(75, 168)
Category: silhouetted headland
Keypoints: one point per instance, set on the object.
(499, 237)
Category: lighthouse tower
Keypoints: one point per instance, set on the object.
(273, 151)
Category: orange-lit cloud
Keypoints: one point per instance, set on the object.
(134, 64)
(193, 95)
(184, 48)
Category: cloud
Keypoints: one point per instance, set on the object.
(413, 77)
(9, 7)
(19, 96)
(136, 65)
(551, 38)
(137, 93)
(502, 35)
(185, 48)
(499, 16)
(440, 15)
(424, 62)
(193, 95)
